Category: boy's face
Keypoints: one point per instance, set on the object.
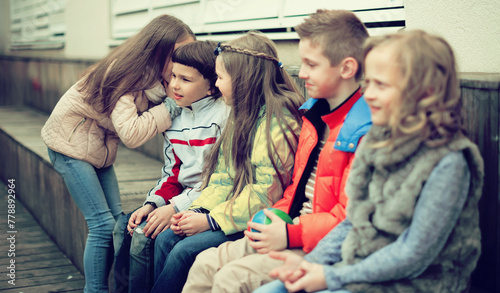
(167, 68)
(188, 85)
(322, 79)
(383, 79)
(223, 82)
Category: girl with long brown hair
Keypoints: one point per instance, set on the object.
(118, 99)
(250, 165)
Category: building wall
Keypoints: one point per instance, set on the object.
(4, 26)
(471, 27)
(87, 29)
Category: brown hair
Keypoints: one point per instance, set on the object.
(339, 32)
(430, 105)
(259, 83)
(135, 65)
(199, 55)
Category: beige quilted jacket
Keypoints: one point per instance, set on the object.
(77, 130)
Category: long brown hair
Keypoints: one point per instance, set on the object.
(259, 84)
(430, 99)
(135, 65)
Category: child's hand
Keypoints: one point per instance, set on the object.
(290, 266)
(172, 108)
(271, 237)
(158, 221)
(176, 218)
(174, 223)
(193, 223)
(137, 216)
(310, 277)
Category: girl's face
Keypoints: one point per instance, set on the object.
(188, 85)
(223, 82)
(383, 78)
(167, 68)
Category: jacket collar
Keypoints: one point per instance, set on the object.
(200, 104)
(357, 120)
(356, 124)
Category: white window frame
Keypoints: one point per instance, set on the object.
(223, 20)
(37, 24)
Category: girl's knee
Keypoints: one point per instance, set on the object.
(104, 226)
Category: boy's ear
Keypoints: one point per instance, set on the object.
(349, 68)
(211, 91)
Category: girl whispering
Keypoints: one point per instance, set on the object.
(412, 219)
(120, 99)
(250, 165)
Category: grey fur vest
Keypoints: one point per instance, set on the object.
(383, 189)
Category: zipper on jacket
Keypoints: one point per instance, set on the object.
(74, 130)
(107, 149)
(192, 117)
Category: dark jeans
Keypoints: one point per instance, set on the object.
(174, 255)
(133, 270)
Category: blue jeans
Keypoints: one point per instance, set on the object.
(133, 258)
(278, 287)
(95, 192)
(174, 256)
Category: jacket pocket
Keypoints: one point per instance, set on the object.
(76, 127)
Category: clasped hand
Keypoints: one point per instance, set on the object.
(298, 274)
(189, 223)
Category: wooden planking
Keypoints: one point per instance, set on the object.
(68, 286)
(40, 264)
(481, 108)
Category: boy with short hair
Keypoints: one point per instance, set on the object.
(187, 141)
(331, 52)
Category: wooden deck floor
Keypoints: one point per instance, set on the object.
(39, 264)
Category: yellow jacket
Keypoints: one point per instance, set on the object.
(264, 192)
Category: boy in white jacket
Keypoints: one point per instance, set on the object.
(187, 141)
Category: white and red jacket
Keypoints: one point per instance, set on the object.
(186, 144)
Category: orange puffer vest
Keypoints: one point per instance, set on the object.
(347, 123)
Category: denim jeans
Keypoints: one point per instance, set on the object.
(278, 287)
(133, 258)
(96, 193)
(174, 255)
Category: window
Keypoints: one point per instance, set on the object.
(37, 24)
(222, 19)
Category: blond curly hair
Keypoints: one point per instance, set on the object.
(430, 99)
